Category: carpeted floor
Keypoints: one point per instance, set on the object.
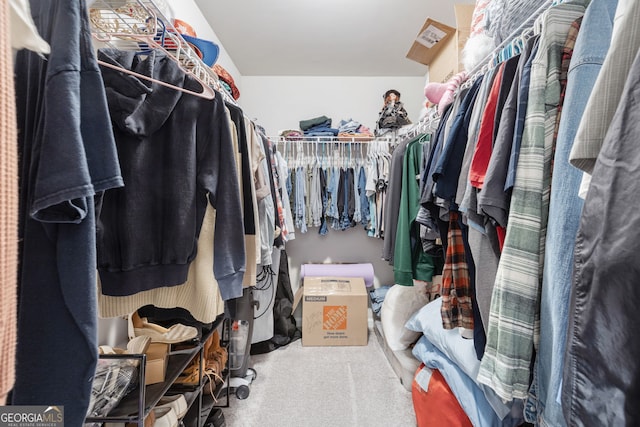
(300, 386)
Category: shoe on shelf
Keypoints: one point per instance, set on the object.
(215, 356)
(176, 402)
(106, 349)
(137, 345)
(191, 375)
(138, 326)
(165, 417)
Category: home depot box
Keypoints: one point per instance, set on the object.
(444, 56)
(334, 311)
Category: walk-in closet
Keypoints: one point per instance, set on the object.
(284, 213)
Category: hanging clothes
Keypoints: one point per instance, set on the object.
(602, 351)
(365, 212)
(266, 209)
(315, 196)
(392, 207)
(494, 199)
(605, 279)
(565, 207)
(376, 189)
(198, 300)
(410, 262)
(300, 205)
(282, 168)
(67, 159)
(357, 212)
(523, 102)
(347, 207)
(333, 186)
(170, 181)
(274, 182)
(245, 173)
(457, 289)
(514, 316)
(458, 293)
(199, 295)
(482, 233)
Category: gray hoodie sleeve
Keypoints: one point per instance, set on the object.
(218, 175)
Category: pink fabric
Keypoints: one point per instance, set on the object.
(435, 91)
(444, 93)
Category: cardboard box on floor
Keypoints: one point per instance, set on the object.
(334, 311)
(440, 47)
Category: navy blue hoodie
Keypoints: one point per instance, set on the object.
(176, 155)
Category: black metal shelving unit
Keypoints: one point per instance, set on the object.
(137, 404)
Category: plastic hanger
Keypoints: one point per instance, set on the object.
(139, 24)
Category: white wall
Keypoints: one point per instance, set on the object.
(189, 12)
(349, 246)
(281, 102)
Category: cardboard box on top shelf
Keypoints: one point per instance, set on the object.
(334, 311)
(439, 46)
(156, 367)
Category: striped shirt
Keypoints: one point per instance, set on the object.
(514, 321)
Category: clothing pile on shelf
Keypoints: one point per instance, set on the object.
(527, 184)
(348, 129)
(318, 126)
(291, 134)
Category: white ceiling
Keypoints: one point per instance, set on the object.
(323, 37)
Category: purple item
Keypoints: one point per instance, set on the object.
(339, 270)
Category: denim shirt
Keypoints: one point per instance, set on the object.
(565, 208)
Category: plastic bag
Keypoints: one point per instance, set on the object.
(114, 379)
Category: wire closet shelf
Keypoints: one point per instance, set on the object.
(140, 25)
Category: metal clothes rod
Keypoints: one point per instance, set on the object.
(328, 140)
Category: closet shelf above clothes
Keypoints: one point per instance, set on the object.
(140, 25)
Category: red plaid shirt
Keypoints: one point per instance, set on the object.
(456, 309)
